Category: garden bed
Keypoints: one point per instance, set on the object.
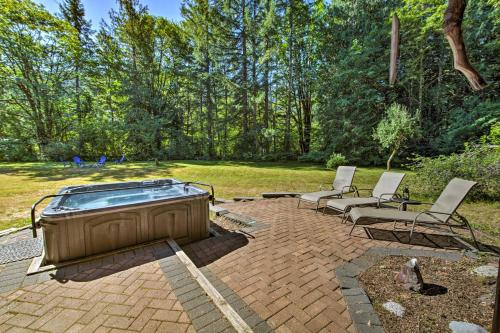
(469, 297)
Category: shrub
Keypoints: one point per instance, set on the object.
(14, 150)
(335, 161)
(56, 151)
(313, 156)
(480, 163)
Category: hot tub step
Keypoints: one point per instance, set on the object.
(218, 210)
(243, 199)
(271, 195)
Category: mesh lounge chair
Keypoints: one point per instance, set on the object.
(443, 211)
(121, 160)
(383, 191)
(78, 161)
(100, 162)
(341, 184)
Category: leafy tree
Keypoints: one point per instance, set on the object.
(394, 129)
(240, 79)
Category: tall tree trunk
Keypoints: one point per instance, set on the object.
(254, 77)
(208, 92)
(78, 107)
(244, 71)
(266, 97)
(307, 114)
(288, 115)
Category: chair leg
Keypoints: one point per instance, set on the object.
(298, 204)
(412, 229)
(470, 230)
(324, 210)
(354, 224)
(317, 206)
(344, 214)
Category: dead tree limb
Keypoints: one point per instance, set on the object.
(453, 17)
(393, 69)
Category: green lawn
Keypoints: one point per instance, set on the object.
(21, 184)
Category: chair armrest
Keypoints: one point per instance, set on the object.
(429, 213)
(366, 189)
(382, 195)
(351, 188)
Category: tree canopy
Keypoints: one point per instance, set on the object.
(238, 79)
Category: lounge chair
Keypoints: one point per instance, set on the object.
(101, 162)
(383, 192)
(120, 160)
(442, 212)
(78, 161)
(341, 184)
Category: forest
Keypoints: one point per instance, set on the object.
(240, 79)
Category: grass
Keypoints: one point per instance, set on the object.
(21, 184)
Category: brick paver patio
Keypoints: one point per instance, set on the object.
(127, 292)
(280, 277)
(286, 272)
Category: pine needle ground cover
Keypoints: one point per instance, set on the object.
(21, 184)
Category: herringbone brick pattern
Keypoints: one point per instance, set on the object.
(124, 293)
(286, 273)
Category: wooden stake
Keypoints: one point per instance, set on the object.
(453, 17)
(231, 315)
(393, 69)
(496, 314)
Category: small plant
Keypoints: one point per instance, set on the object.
(335, 161)
(396, 127)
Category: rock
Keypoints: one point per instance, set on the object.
(464, 327)
(410, 277)
(486, 271)
(394, 308)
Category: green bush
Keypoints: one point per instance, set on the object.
(14, 150)
(313, 156)
(480, 163)
(335, 161)
(56, 151)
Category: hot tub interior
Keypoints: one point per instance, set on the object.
(101, 196)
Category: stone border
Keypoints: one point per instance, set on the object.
(364, 316)
(199, 306)
(256, 323)
(202, 312)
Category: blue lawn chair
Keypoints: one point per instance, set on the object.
(121, 160)
(78, 161)
(101, 162)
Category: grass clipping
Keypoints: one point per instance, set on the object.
(469, 297)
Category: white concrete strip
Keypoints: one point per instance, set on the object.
(231, 315)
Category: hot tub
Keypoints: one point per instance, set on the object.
(86, 220)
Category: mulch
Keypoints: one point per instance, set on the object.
(467, 296)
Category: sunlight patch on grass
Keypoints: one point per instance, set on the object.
(21, 184)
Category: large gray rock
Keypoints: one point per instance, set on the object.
(394, 308)
(486, 271)
(464, 327)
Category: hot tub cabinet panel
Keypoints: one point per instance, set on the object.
(86, 233)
